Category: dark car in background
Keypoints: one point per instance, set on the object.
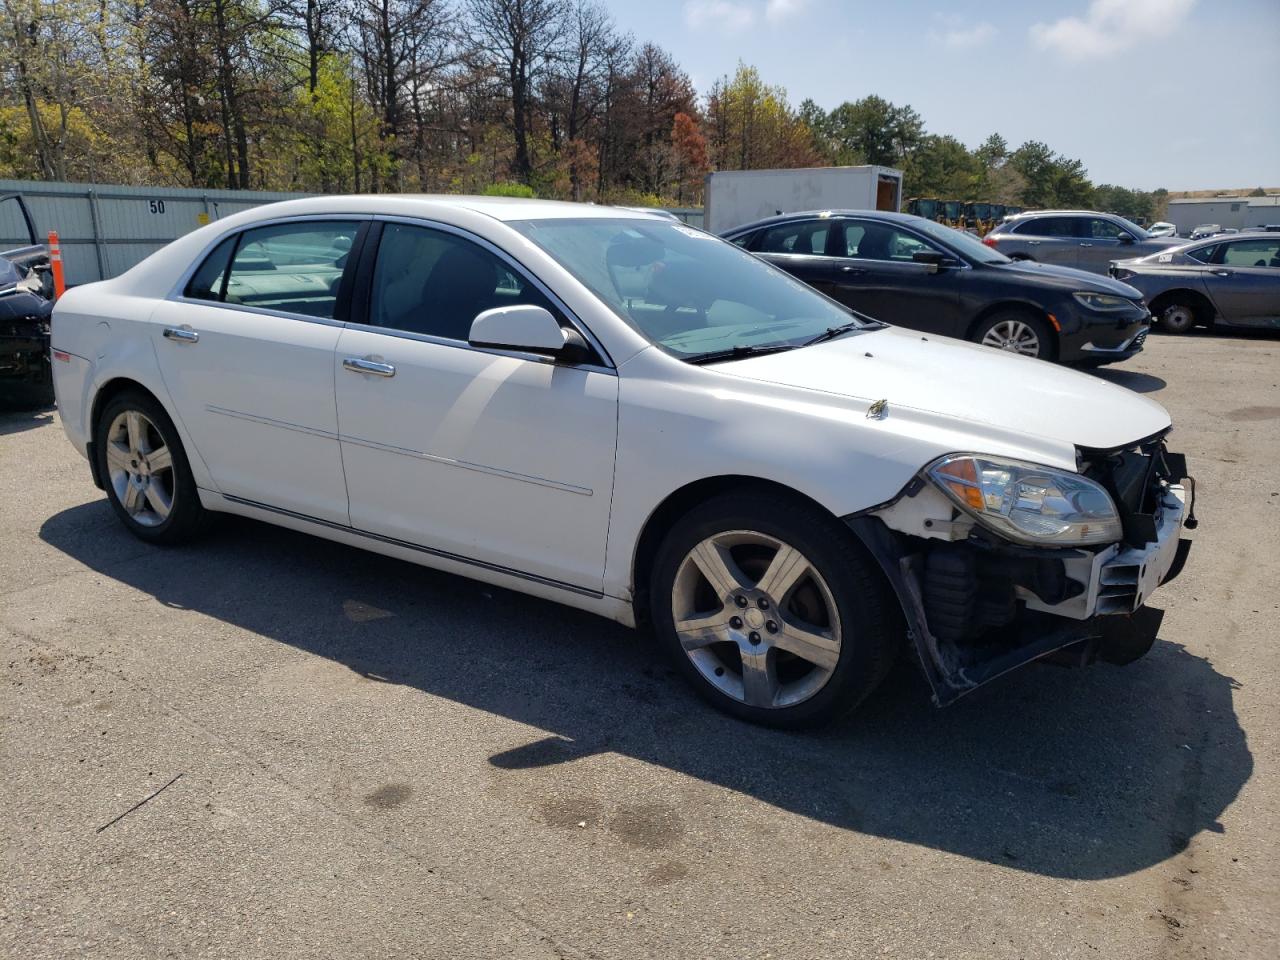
(1084, 239)
(912, 272)
(1229, 280)
(26, 302)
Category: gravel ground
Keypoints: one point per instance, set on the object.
(358, 757)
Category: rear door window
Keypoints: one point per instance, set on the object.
(1048, 227)
(291, 267)
(209, 281)
(805, 237)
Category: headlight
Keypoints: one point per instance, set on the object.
(1102, 302)
(1028, 503)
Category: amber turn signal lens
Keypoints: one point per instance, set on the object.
(967, 488)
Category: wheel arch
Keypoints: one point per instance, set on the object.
(679, 502)
(1019, 306)
(1202, 306)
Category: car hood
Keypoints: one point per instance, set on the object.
(1067, 278)
(966, 382)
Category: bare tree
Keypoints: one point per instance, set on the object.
(521, 39)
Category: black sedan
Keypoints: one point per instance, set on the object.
(1232, 281)
(25, 306)
(916, 273)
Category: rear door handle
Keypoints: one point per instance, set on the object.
(853, 270)
(1034, 243)
(362, 365)
(1086, 244)
(181, 334)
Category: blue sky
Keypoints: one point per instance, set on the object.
(1183, 94)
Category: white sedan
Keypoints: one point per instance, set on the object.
(618, 412)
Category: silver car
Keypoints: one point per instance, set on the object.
(1226, 280)
(1083, 239)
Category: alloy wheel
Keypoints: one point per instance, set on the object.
(1014, 336)
(756, 619)
(140, 468)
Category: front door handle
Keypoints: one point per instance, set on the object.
(1222, 273)
(364, 365)
(181, 334)
(853, 270)
(1086, 244)
(1034, 243)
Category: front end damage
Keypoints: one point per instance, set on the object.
(978, 606)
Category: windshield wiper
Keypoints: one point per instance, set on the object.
(739, 352)
(832, 332)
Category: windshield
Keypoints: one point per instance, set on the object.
(961, 242)
(689, 292)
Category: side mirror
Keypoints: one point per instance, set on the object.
(529, 328)
(1125, 238)
(931, 259)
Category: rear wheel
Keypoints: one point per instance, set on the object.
(145, 470)
(1017, 332)
(772, 610)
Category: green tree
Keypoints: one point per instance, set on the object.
(943, 167)
(873, 130)
(753, 126)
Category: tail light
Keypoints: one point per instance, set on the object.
(989, 240)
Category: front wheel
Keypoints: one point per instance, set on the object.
(1178, 317)
(145, 470)
(1017, 332)
(772, 610)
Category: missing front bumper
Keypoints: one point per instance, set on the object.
(976, 610)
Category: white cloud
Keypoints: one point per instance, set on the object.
(775, 10)
(720, 14)
(1111, 26)
(973, 36)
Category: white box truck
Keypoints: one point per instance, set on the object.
(735, 197)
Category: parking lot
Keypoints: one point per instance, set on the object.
(359, 757)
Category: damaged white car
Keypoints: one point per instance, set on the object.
(630, 416)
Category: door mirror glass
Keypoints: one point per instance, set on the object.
(529, 328)
(932, 259)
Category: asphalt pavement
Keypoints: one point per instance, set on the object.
(267, 745)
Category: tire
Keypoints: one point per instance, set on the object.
(154, 495)
(736, 646)
(1178, 316)
(1017, 331)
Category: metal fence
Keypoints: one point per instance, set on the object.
(105, 229)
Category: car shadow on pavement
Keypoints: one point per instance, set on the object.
(1080, 774)
(1138, 382)
(13, 420)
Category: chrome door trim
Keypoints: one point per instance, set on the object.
(420, 548)
(268, 421)
(519, 268)
(464, 345)
(469, 465)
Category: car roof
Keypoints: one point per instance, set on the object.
(889, 215)
(499, 208)
(1060, 213)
